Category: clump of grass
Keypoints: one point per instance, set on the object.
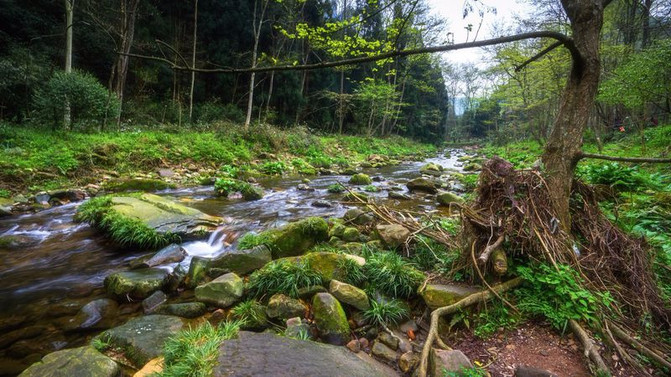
(392, 275)
(466, 372)
(227, 186)
(250, 240)
(352, 271)
(194, 352)
(431, 255)
(495, 317)
(385, 313)
(335, 188)
(283, 277)
(250, 313)
(371, 188)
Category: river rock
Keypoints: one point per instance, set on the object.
(295, 238)
(142, 338)
(136, 184)
(439, 295)
(360, 179)
(358, 217)
(525, 371)
(266, 354)
(422, 184)
(321, 204)
(350, 234)
(67, 195)
(382, 351)
(446, 197)
(473, 166)
(197, 271)
(450, 361)
(408, 361)
(153, 368)
(432, 169)
(349, 294)
(388, 340)
(330, 319)
(76, 362)
(153, 302)
(170, 254)
(329, 265)
(221, 292)
(392, 235)
(297, 328)
(184, 310)
(135, 284)
(284, 307)
(242, 262)
(30, 332)
(164, 216)
(96, 315)
(398, 195)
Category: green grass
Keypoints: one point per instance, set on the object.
(283, 277)
(194, 352)
(385, 312)
(391, 274)
(250, 313)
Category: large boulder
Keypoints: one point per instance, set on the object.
(75, 362)
(141, 339)
(349, 294)
(184, 309)
(221, 292)
(242, 262)
(145, 220)
(392, 235)
(439, 295)
(292, 239)
(135, 284)
(422, 184)
(330, 319)
(266, 355)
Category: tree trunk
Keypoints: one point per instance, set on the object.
(193, 59)
(258, 24)
(563, 146)
(127, 32)
(69, 10)
(270, 93)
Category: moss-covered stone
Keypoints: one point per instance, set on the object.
(222, 292)
(337, 230)
(292, 239)
(135, 284)
(184, 310)
(349, 294)
(392, 235)
(284, 307)
(422, 184)
(431, 169)
(197, 271)
(360, 179)
(329, 265)
(242, 262)
(76, 362)
(137, 184)
(251, 192)
(351, 234)
(473, 166)
(436, 295)
(330, 319)
(446, 198)
(355, 197)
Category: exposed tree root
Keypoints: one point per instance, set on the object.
(591, 350)
(657, 358)
(475, 298)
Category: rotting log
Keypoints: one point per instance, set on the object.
(475, 298)
(499, 262)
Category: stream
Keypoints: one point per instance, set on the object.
(56, 266)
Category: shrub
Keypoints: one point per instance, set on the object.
(213, 111)
(385, 312)
(194, 352)
(392, 275)
(619, 177)
(273, 167)
(90, 103)
(283, 277)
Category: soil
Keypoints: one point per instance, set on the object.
(533, 344)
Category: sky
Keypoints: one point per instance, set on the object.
(452, 11)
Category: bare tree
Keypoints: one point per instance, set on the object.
(257, 26)
(69, 10)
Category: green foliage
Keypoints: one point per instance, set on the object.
(101, 343)
(250, 240)
(387, 312)
(283, 276)
(620, 177)
(90, 102)
(430, 255)
(371, 188)
(335, 188)
(250, 313)
(194, 352)
(354, 273)
(273, 167)
(494, 317)
(466, 372)
(226, 186)
(558, 295)
(213, 111)
(5, 193)
(392, 275)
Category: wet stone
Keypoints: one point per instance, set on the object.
(152, 303)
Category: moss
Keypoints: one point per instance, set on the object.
(250, 192)
(227, 186)
(292, 239)
(360, 179)
(137, 184)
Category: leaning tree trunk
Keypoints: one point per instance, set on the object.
(563, 146)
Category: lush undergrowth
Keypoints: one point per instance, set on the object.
(36, 159)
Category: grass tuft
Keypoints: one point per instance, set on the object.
(385, 312)
(283, 277)
(392, 275)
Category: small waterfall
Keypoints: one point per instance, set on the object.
(217, 243)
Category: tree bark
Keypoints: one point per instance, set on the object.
(258, 24)
(69, 10)
(127, 34)
(564, 144)
(193, 58)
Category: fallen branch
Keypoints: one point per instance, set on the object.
(591, 350)
(475, 298)
(489, 249)
(654, 356)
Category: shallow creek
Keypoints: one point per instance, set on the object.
(59, 265)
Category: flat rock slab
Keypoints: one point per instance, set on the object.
(142, 338)
(438, 295)
(269, 355)
(75, 362)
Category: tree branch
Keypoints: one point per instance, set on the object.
(538, 56)
(566, 41)
(582, 155)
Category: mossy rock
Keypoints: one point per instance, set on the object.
(328, 265)
(351, 234)
(75, 362)
(360, 179)
(355, 197)
(290, 240)
(145, 220)
(431, 169)
(437, 295)
(221, 292)
(250, 192)
(446, 198)
(135, 284)
(330, 319)
(137, 184)
(473, 166)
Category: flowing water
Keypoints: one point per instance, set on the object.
(55, 266)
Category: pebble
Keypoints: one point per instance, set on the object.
(354, 346)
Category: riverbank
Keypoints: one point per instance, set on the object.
(34, 160)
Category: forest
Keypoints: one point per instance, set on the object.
(246, 187)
